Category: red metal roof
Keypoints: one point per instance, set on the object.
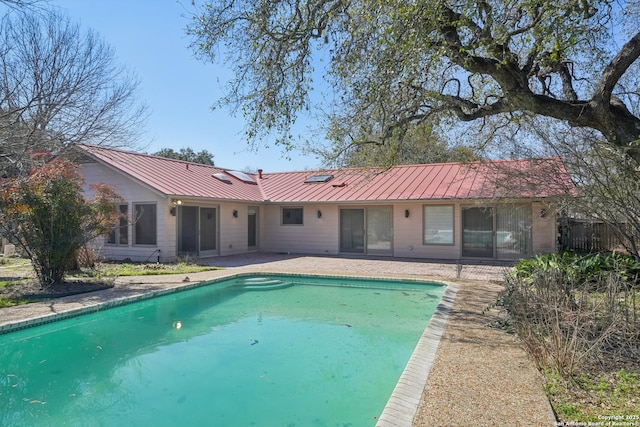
(536, 178)
(443, 181)
(174, 177)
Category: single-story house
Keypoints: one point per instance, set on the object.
(479, 210)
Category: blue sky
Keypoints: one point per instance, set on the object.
(149, 38)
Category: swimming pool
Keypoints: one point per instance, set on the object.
(249, 350)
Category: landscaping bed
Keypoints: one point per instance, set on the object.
(578, 317)
(19, 286)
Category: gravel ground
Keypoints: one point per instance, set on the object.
(481, 376)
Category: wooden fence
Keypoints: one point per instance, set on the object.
(585, 236)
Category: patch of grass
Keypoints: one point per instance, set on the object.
(10, 302)
(6, 287)
(9, 265)
(11, 282)
(22, 267)
(134, 269)
(586, 398)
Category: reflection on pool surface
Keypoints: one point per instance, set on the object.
(264, 350)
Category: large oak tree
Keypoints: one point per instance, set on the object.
(395, 63)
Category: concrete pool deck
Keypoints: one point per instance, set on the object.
(475, 375)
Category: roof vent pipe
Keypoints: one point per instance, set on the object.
(260, 173)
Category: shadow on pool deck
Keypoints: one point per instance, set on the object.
(480, 376)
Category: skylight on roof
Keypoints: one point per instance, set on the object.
(242, 176)
(222, 177)
(318, 178)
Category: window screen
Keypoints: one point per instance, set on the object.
(145, 224)
(438, 225)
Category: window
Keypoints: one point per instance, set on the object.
(513, 230)
(318, 178)
(119, 235)
(291, 216)
(242, 176)
(222, 177)
(145, 224)
(438, 225)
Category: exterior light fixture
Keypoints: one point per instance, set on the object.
(406, 213)
(319, 213)
(176, 202)
(235, 213)
(172, 211)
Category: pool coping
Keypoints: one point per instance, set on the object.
(93, 307)
(401, 407)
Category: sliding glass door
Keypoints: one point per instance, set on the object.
(197, 231)
(503, 232)
(188, 230)
(379, 231)
(513, 231)
(477, 232)
(367, 230)
(352, 230)
(208, 231)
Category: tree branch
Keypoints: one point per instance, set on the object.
(629, 53)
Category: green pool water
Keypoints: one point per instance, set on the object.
(247, 351)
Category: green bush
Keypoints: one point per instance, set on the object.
(577, 270)
(47, 217)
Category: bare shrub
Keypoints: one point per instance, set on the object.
(88, 256)
(571, 323)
